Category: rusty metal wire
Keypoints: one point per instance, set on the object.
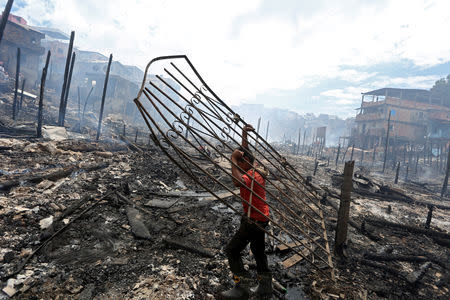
(197, 131)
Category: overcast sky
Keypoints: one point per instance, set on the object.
(308, 56)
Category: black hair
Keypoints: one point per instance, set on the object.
(248, 155)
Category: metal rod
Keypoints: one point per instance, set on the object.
(103, 98)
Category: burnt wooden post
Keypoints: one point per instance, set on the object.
(298, 142)
(304, 140)
(316, 164)
(397, 172)
(16, 86)
(387, 141)
(124, 127)
(79, 107)
(103, 98)
(338, 152)
(444, 185)
(21, 94)
(5, 16)
(66, 74)
(41, 96)
(66, 96)
(267, 130)
(407, 172)
(417, 163)
(353, 150)
(135, 137)
(429, 216)
(344, 209)
(373, 155)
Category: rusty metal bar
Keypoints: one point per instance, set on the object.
(147, 116)
(265, 150)
(162, 92)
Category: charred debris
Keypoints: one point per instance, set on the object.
(139, 203)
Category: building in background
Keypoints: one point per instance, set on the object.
(416, 118)
(18, 34)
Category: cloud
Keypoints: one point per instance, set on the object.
(417, 82)
(249, 48)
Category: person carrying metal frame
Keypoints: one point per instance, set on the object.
(252, 189)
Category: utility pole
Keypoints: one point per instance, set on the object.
(99, 128)
(387, 140)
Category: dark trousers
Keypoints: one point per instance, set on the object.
(248, 233)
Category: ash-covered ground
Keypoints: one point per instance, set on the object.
(98, 254)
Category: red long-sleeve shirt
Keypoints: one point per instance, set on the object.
(258, 189)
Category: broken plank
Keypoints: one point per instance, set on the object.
(282, 247)
(296, 258)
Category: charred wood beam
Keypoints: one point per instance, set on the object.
(181, 245)
(408, 258)
(34, 179)
(131, 145)
(401, 198)
(408, 228)
(41, 96)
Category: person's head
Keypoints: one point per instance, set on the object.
(246, 162)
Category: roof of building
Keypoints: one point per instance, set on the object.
(52, 32)
(411, 94)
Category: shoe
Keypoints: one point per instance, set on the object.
(264, 287)
(240, 291)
